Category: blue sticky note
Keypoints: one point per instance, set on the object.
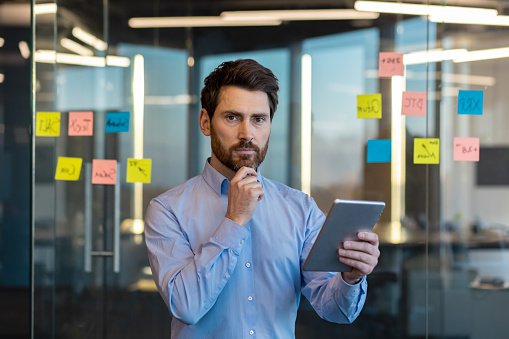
(470, 102)
(379, 150)
(117, 122)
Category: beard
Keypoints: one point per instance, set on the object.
(235, 161)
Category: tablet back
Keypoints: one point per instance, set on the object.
(345, 219)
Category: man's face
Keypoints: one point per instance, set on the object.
(240, 128)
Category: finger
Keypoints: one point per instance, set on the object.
(362, 267)
(368, 236)
(361, 246)
(244, 172)
(367, 258)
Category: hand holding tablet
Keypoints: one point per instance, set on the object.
(345, 220)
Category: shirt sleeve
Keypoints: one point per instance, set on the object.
(331, 297)
(190, 282)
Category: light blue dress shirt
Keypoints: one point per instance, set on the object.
(222, 280)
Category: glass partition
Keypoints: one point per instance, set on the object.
(437, 155)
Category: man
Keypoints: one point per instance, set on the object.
(227, 247)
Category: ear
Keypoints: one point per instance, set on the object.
(204, 122)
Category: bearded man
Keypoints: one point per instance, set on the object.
(227, 247)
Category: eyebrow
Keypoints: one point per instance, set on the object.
(260, 114)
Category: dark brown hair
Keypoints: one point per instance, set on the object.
(243, 73)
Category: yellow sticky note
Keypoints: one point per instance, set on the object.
(47, 124)
(68, 168)
(139, 170)
(426, 151)
(369, 106)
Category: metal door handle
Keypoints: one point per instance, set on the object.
(89, 253)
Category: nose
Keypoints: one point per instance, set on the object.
(245, 132)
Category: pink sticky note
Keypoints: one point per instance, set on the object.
(81, 123)
(466, 149)
(390, 64)
(414, 104)
(104, 172)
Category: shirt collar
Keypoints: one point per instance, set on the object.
(219, 182)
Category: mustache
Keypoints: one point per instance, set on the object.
(245, 145)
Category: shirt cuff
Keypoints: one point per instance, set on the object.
(231, 235)
(349, 291)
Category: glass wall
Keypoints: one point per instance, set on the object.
(123, 97)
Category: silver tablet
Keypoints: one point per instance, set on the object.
(345, 219)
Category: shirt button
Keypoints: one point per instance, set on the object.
(249, 298)
(242, 242)
(248, 264)
(251, 332)
(356, 290)
(227, 276)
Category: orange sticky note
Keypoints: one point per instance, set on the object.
(68, 169)
(369, 106)
(139, 170)
(426, 151)
(466, 149)
(390, 64)
(414, 104)
(104, 172)
(47, 124)
(81, 123)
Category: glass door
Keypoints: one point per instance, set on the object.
(110, 124)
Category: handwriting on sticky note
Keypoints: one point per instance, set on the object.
(426, 151)
(47, 124)
(470, 102)
(379, 150)
(117, 122)
(68, 168)
(414, 104)
(390, 64)
(104, 172)
(466, 149)
(139, 170)
(369, 106)
(81, 123)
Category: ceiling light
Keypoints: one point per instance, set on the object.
(89, 39)
(112, 60)
(45, 9)
(499, 20)
(435, 55)
(417, 9)
(2, 41)
(291, 15)
(75, 47)
(2, 77)
(46, 56)
(196, 21)
(24, 49)
(484, 54)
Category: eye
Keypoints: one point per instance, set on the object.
(231, 117)
(259, 119)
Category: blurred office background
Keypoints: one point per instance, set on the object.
(73, 262)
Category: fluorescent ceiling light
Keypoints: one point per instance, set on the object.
(89, 39)
(484, 54)
(196, 21)
(46, 56)
(290, 15)
(112, 60)
(75, 47)
(417, 9)
(436, 55)
(24, 49)
(45, 9)
(499, 20)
